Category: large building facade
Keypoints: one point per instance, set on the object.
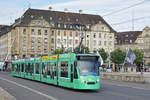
(39, 32)
(136, 40)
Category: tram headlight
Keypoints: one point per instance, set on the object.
(83, 81)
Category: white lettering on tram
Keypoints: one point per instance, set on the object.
(35, 91)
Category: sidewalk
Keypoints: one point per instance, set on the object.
(5, 95)
(142, 86)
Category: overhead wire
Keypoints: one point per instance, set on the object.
(122, 9)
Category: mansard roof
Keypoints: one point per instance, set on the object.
(127, 37)
(62, 18)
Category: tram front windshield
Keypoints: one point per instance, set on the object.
(88, 66)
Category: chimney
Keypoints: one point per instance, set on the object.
(50, 8)
(66, 10)
(80, 11)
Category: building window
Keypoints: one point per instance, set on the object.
(76, 41)
(24, 39)
(39, 40)
(77, 26)
(24, 31)
(39, 48)
(45, 48)
(87, 36)
(58, 33)
(87, 42)
(70, 41)
(58, 41)
(99, 35)
(51, 18)
(52, 33)
(65, 26)
(64, 33)
(76, 34)
(105, 43)
(110, 43)
(70, 34)
(99, 43)
(52, 24)
(126, 41)
(32, 40)
(94, 35)
(130, 41)
(32, 48)
(94, 42)
(64, 41)
(77, 19)
(24, 48)
(39, 32)
(126, 35)
(104, 35)
(45, 40)
(58, 25)
(52, 40)
(60, 18)
(70, 26)
(70, 49)
(46, 32)
(32, 31)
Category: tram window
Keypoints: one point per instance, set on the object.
(18, 68)
(55, 68)
(32, 68)
(43, 68)
(64, 69)
(37, 68)
(22, 67)
(48, 68)
(28, 67)
(75, 73)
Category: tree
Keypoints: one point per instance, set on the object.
(59, 51)
(103, 54)
(117, 56)
(139, 56)
(83, 49)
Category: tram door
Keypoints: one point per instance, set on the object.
(71, 79)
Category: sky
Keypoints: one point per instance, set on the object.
(119, 21)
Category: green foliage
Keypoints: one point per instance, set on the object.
(60, 51)
(117, 56)
(103, 54)
(139, 56)
(83, 49)
(149, 64)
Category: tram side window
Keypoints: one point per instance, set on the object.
(37, 68)
(64, 69)
(32, 68)
(43, 68)
(28, 67)
(48, 68)
(18, 68)
(22, 67)
(55, 68)
(75, 73)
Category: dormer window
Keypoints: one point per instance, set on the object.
(77, 26)
(68, 19)
(32, 16)
(41, 17)
(65, 26)
(77, 20)
(60, 18)
(126, 35)
(52, 24)
(51, 18)
(58, 25)
(70, 26)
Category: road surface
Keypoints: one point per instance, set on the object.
(23, 89)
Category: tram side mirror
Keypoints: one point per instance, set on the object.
(75, 64)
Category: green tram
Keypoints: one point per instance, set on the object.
(77, 71)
